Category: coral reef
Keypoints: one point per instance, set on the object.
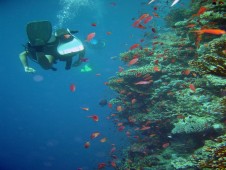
(172, 100)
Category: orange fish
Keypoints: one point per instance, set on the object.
(94, 24)
(180, 116)
(103, 140)
(143, 82)
(85, 108)
(165, 145)
(134, 46)
(186, 72)
(94, 135)
(143, 16)
(136, 23)
(72, 87)
(155, 14)
(108, 33)
(133, 101)
(119, 124)
(210, 31)
(145, 128)
(152, 135)
(87, 145)
(90, 36)
(201, 11)
(156, 68)
(133, 61)
(192, 87)
(113, 164)
(121, 128)
(101, 165)
(119, 108)
(190, 25)
(110, 105)
(94, 117)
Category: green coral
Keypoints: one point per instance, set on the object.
(211, 15)
(192, 124)
(181, 163)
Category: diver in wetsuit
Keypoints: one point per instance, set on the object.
(46, 49)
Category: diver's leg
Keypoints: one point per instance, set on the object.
(81, 55)
(45, 61)
(68, 63)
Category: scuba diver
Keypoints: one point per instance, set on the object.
(46, 49)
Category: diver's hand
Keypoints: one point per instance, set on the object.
(29, 69)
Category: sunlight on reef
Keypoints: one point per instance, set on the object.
(70, 9)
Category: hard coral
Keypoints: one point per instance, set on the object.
(192, 124)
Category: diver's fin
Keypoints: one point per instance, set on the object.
(39, 32)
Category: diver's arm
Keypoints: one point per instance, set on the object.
(23, 59)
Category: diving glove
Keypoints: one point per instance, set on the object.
(29, 69)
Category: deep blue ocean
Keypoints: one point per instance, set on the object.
(42, 125)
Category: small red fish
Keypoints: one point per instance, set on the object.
(110, 105)
(143, 16)
(113, 164)
(134, 46)
(94, 24)
(87, 145)
(101, 165)
(90, 36)
(103, 140)
(120, 69)
(72, 87)
(143, 82)
(192, 87)
(85, 108)
(94, 117)
(136, 23)
(145, 128)
(108, 33)
(165, 145)
(133, 61)
(113, 150)
(121, 128)
(201, 11)
(119, 108)
(146, 20)
(133, 101)
(94, 135)
(186, 72)
(156, 68)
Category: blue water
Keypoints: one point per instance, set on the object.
(42, 125)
